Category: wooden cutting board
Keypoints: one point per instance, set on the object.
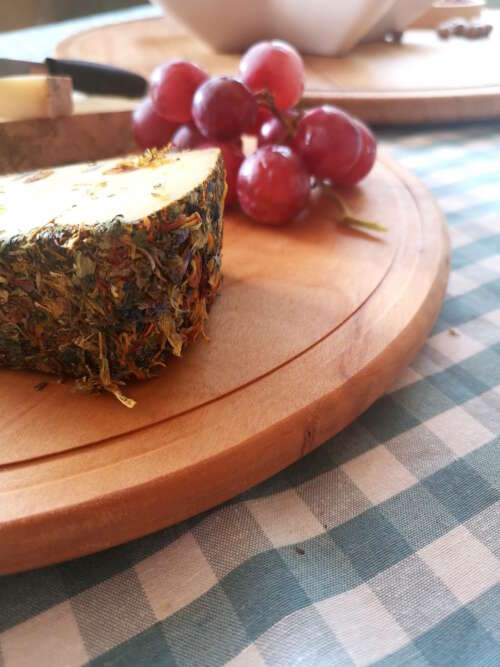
(314, 322)
(424, 79)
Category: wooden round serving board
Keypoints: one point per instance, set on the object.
(314, 322)
(424, 79)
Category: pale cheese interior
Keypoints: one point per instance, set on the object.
(35, 96)
(90, 193)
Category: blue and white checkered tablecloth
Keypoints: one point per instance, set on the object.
(381, 547)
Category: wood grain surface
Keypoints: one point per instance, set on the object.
(48, 142)
(424, 79)
(314, 322)
(440, 12)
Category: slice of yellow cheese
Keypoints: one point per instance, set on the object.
(35, 96)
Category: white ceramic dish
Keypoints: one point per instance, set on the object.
(325, 27)
(320, 27)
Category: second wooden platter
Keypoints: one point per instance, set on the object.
(425, 79)
(314, 322)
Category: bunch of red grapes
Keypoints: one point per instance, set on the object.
(295, 149)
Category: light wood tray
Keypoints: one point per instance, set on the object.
(422, 80)
(440, 12)
(314, 322)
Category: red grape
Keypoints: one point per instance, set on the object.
(328, 141)
(172, 87)
(263, 114)
(277, 67)
(366, 160)
(273, 185)
(274, 132)
(233, 157)
(149, 129)
(187, 136)
(223, 108)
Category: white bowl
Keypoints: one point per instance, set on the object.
(320, 27)
(325, 27)
(397, 17)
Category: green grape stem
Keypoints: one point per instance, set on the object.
(345, 216)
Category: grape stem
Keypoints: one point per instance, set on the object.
(265, 99)
(345, 216)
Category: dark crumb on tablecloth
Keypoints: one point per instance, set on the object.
(300, 551)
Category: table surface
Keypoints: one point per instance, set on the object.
(381, 547)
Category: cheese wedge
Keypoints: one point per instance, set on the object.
(107, 268)
(35, 96)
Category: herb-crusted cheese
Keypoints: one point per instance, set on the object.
(107, 268)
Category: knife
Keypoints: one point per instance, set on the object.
(87, 77)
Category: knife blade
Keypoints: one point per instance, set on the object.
(87, 77)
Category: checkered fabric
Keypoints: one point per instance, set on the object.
(381, 547)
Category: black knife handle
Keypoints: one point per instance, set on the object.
(99, 79)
